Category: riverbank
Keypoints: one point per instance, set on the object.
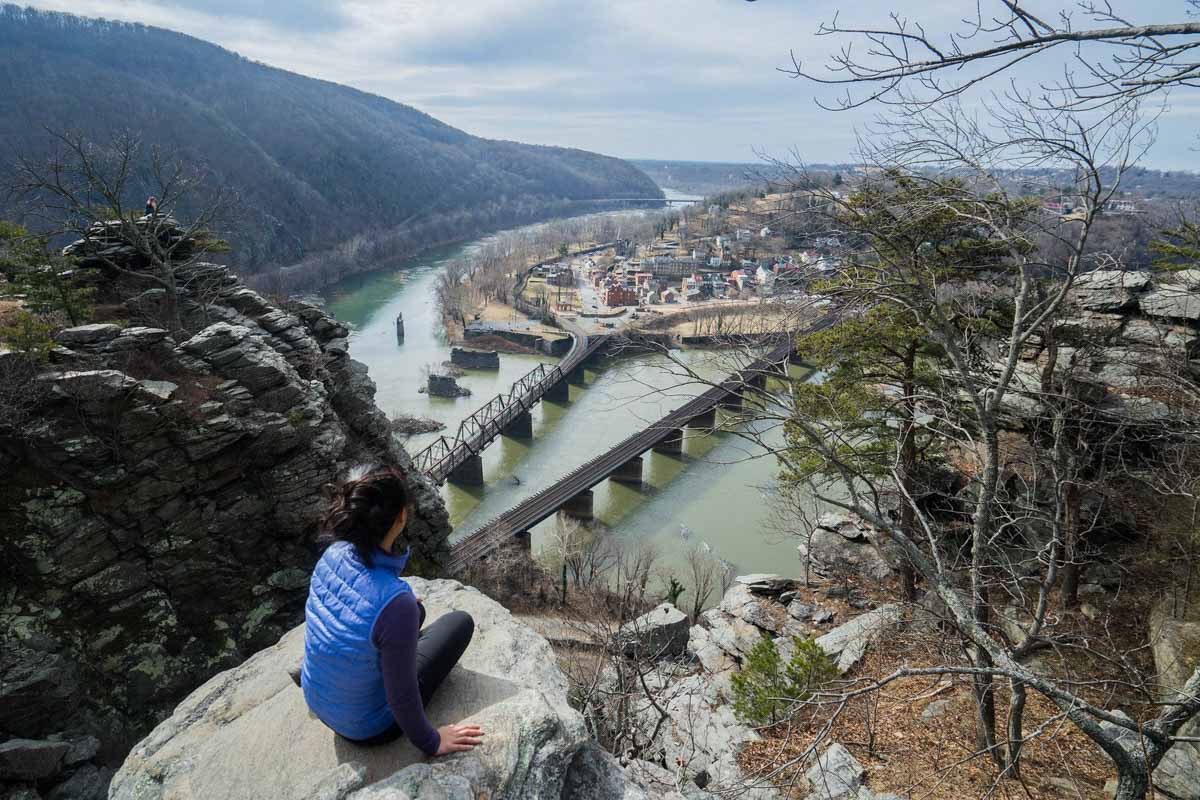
(404, 245)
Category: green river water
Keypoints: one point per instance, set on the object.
(716, 495)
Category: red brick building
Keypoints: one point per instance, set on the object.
(620, 296)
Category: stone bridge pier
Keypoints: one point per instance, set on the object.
(705, 421)
(672, 445)
(521, 427)
(468, 473)
(629, 473)
(579, 507)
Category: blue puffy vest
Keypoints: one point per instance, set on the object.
(341, 675)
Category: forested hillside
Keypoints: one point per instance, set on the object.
(314, 163)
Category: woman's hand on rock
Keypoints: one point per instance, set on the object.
(459, 738)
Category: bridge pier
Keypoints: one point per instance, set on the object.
(706, 420)
(577, 377)
(558, 393)
(732, 402)
(672, 445)
(579, 507)
(794, 358)
(520, 428)
(468, 473)
(629, 473)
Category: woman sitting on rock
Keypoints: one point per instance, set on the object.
(370, 667)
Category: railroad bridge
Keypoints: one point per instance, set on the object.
(458, 458)
(623, 462)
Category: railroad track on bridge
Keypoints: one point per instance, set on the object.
(540, 506)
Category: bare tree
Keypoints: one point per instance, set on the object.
(1115, 60)
(704, 575)
(88, 190)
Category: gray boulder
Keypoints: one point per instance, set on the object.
(659, 633)
(31, 759)
(848, 643)
(1109, 289)
(1173, 301)
(703, 736)
(247, 733)
(596, 775)
(88, 335)
(836, 775)
(767, 584)
(767, 614)
(844, 544)
(87, 783)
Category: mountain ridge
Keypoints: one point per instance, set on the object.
(315, 162)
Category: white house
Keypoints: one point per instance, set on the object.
(765, 278)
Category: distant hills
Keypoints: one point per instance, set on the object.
(315, 163)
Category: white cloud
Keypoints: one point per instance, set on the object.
(651, 78)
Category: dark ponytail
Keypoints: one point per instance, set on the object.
(364, 508)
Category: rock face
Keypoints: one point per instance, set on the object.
(159, 503)
(472, 358)
(248, 734)
(702, 733)
(842, 544)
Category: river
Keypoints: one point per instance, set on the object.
(715, 496)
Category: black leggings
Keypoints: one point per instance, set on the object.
(439, 647)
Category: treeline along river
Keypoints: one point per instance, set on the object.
(717, 495)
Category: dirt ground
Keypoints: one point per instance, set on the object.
(935, 758)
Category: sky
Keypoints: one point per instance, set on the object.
(662, 79)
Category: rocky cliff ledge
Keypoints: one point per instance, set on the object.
(247, 734)
(159, 502)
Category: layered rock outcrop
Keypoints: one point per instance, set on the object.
(159, 501)
(701, 735)
(1122, 342)
(247, 734)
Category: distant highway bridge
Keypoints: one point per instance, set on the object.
(623, 463)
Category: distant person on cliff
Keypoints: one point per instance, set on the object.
(369, 666)
(151, 206)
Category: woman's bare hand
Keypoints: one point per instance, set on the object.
(459, 738)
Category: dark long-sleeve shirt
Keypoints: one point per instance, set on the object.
(395, 636)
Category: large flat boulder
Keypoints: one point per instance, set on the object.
(248, 734)
(659, 633)
(848, 643)
(1109, 289)
(1173, 301)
